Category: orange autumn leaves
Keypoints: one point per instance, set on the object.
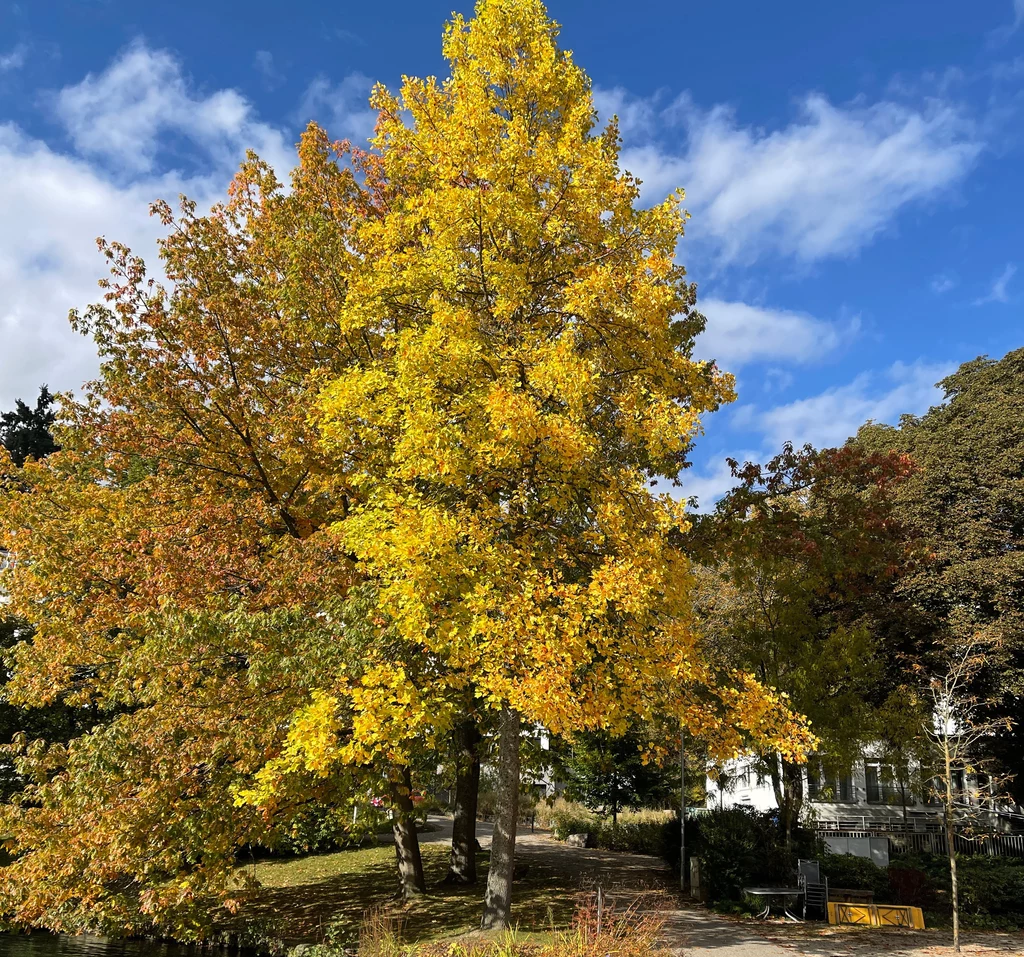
(385, 439)
(176, 561)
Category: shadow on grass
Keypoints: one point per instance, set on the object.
(310, 899)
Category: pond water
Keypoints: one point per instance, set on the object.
(58, 945)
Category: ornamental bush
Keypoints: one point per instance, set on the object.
(991, 888)
(857, 873)
(566, 817)
(640, 832)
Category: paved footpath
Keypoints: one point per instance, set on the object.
(695, 932)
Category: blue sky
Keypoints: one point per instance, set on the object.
(853, 170)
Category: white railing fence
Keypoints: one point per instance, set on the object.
(933, 841)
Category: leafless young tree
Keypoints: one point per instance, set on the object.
(959, 735)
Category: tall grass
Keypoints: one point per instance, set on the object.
(642, 832)
(380, 934)
(595, 932)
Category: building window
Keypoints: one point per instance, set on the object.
(844, 788)
(936, 789)
(821, 786)
(959, 786)
(880, 783)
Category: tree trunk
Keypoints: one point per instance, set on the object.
(951, 848)
(462, 865)
(788, 784)
(777, 785)
(407, 841)
(498, 899)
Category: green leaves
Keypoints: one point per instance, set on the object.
(966, 502)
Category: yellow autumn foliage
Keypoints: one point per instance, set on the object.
(529, 378)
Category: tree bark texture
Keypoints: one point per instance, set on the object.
(498, 899)
(407, 841)
(462, 865)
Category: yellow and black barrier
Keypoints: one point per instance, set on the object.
(876, 915)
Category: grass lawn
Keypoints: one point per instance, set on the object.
(301, 897)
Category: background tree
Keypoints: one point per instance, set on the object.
(966, 501)
(26, 432)
(466, 759)
(799, 562)
(384, 443)
(609, 773)
(898, 735)
(177, 563)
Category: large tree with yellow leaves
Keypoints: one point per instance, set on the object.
(530, 376)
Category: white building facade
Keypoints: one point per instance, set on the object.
(865, 798)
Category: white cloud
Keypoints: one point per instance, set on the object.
(823, 186)
(341, 108)
(943, 282)
(54, 208)
(264, 63)
(636, 115)
(711, 482)
(136, 110)
(56, 204)
(140, 131)
(777, 380)
(832, 416)
(13, 59)
(999, 291)
(347, 36)
(1003, 33)
(130, 124)
(738, 333)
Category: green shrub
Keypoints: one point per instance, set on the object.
(315, 829)
(857, 873)
(730, 847)
(991, 888)
(911, 886)
(319, 829)
(640, 832)
(739, 847)
(565, 818)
